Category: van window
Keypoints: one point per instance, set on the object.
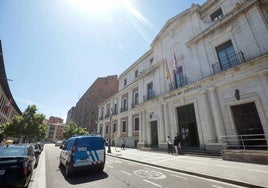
(94, 142)
(69, 144)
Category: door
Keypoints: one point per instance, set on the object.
(154, 134)
(188, 126)
(248, 125)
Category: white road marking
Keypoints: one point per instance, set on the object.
(152, 183)
(193, 176)
(110, 166)
(179, 177)
(126, 173)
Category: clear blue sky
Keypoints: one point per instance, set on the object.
(54, 50)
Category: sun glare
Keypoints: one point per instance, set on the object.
(97, 7)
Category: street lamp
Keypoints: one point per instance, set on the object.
(110, 133)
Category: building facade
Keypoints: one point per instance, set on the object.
(86, 109)
(70, 115)
(55, 127)
(8, 106)
(204, 78)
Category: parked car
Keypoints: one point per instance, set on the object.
(16, 164)
(58, 143)
(83, 152)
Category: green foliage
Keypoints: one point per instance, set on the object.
(71, 129)
(29, 125)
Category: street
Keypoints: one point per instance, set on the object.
(117, 173)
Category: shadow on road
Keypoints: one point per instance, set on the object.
(83, 176)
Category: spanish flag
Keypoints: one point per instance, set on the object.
(167, 74)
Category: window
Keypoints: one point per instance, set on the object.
(124, 105)
(151, 61)
(136, 73)
(124, 126)
(216, 15)
(107, 129)
(150, 90)
(226, 55)
(115, 109)
(125, 82)
(114, 127)
(180, 79)
(136, 124)
(136, 98)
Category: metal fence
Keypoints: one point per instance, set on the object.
(246, 141)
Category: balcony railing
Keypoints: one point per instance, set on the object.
(183, 81)
(228, 62)
(115, 112)
(148, 97)
(123, 109)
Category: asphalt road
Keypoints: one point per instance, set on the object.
(123, 174)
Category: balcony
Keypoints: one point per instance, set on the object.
(149, 96)
(123, 108)
(115, 112)
(228, 62)
(181, 82)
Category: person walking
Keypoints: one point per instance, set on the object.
(169, 143)
(123, 143)
(176, 144)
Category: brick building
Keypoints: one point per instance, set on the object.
(85, 113)
(55, 128)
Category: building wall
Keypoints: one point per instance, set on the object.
(207, 91)
(55, 129)
(86, 109)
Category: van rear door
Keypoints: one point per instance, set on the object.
(89, 151)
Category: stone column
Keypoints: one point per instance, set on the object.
(216, 114)
(167, 122)
(144, 127)
(162, 125)
(206, 117)
(141, 127)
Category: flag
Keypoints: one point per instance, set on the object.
(176, 67)
(167, 75)
(7, 106)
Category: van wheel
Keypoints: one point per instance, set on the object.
(68, 171)
(101, 167)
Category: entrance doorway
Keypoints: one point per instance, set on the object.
(154, 134)
(188, 126)
(248, 125)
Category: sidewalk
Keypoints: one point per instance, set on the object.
(244, 174)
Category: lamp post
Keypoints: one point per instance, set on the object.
(110, 133)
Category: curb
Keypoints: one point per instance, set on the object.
(192, 173)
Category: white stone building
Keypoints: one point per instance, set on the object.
(219, 86)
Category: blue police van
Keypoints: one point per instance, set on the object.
(83, 152)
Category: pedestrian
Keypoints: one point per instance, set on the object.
(176, 144)
(169, 144)
(179, 144)
(123, 143)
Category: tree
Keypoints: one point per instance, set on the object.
(29, 125)
(71, 129)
